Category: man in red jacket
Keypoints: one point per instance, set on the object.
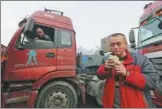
(129, 80)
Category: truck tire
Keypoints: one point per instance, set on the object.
(58, 94)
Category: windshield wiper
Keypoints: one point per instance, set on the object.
(150, 37)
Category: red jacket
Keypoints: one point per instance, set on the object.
(131, 87)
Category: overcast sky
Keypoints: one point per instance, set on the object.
(92, 20)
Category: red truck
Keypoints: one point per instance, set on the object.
(148, 41)
(39, 73)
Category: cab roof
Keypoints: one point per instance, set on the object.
(52, 19)
(153, 7)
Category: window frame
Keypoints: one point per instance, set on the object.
(21, 38)
(60, 45)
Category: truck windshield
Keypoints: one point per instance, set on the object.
(149, 31)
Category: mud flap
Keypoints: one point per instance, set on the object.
(96, 89)
(3, 100)
(81, 85)
(32, 99)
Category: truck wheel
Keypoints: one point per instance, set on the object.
(58, 94)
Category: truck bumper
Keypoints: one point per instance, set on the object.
(18, 99)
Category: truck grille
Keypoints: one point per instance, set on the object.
(157, 64)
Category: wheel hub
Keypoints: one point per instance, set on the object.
(56, 100)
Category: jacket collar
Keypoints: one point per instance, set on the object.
(129, 58)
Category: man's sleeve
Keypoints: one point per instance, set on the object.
(147, 78)
(48, 38)
(102, 73)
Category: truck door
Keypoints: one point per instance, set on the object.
(30, 59)
(66, 59)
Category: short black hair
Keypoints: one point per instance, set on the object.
(117, 34)
(39, 28)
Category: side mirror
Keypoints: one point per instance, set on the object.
(22, 22)
(29, 26)
(131, 36)
(133, 45)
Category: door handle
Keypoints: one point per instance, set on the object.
(50, 55)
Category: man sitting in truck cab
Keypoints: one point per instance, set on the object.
(41, 35)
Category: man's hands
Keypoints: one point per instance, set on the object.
(109, 64)
(119, 68)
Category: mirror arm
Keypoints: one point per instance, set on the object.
(136, 27)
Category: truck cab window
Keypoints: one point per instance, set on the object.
(22, 40)
(65, 38)
(31, 41)
(44, 33)
(25, 39)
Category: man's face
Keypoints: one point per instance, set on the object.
(117, 45)
(40, 32)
